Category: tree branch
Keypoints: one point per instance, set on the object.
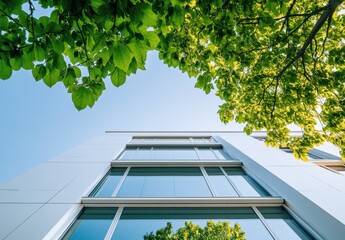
(287, 16)
(84, 44)
(329, 10)
(14, 20)
(288, 13)
(275, 98)
(32, 9)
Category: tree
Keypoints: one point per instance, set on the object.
(212, 230)
(274, 63)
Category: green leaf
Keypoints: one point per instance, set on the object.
(81, 97)
(152, 38)
(58, 45)
(77, 71)
(16, 63)
(3, 23)
(248, 130)
(118, 77)
(122, 57)
(138, 49)
(69, 78)
(148, 17)
(96, 4)
(39, 72)
(5, 70)
(108, 24)
(201, 82)
(99, 42)
(177, 17)
(51, 77)
(104, 55)
(39, 53)
(90, 42)
(28, 61)
(95, 73)
(132, 67)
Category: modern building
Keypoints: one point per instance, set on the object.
(125, 184)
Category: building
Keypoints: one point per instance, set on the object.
(125, 184)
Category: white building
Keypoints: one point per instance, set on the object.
(125, 184)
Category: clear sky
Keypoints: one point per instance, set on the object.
(38, 122)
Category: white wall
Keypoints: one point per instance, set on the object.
(32, 204)
(315, 194)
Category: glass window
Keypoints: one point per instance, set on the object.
(207, 154)
(129, 153)
(185, 154)
(174, 153)
(219, 183)
(165, 153)
(164, 182)
(143, 153)
(162, 153)
(173, 139)
(136, 222)
(108, 184)
(245, 185)
(221, 154)
(92, 223)
(282, 224)
(316, 154)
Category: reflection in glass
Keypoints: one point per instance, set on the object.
(245, 185)
(219, 183)
(136, 222)
(92, 223)
(221, 154)
(282, 224)
(164, 182)
(108, 184)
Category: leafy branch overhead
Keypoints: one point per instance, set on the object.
(274, 63)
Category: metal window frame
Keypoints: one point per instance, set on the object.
(184, 202)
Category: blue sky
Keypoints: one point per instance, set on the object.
(38, 122)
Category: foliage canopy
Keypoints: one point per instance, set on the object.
(212, 230)
(274, 63)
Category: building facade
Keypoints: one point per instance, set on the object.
(123, 185)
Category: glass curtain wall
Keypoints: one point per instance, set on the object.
(196, 182)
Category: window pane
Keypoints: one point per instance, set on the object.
(109, 183)
(245, 185)
(174, 153)
(143, 154)
(164, 182)
(206, 153)
(282, 224)
(163, 153)
(185, 154)
(136, 222)
(128, 154)
(221, 154)
(93, 223)
(219, 183)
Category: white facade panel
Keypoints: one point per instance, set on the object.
(13, 215)
(40, 223)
